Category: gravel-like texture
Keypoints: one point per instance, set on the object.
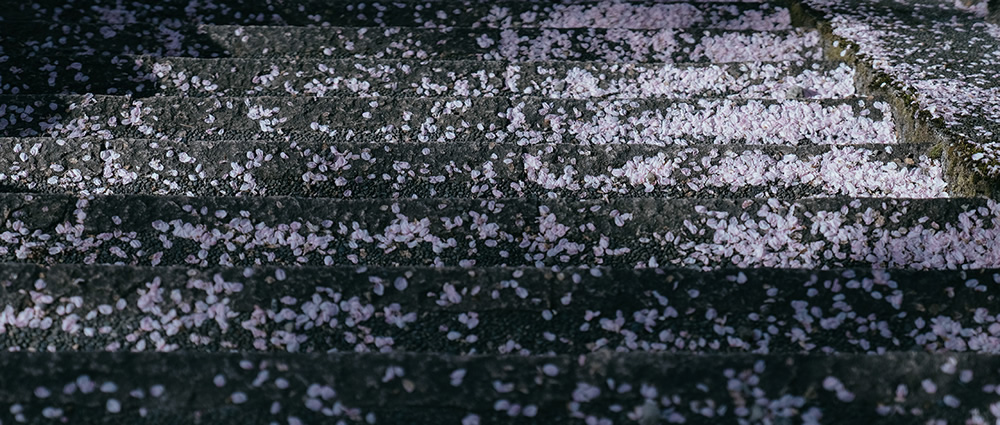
(942, 59)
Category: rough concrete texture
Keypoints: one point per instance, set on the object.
(939, 60)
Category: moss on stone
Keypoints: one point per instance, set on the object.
(914, 124)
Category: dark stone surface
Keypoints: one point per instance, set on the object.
(523, 120)
(355, 13)
(443, 170)
(782, 388)
(524, 44)
(928, 233)
(664, 331)
(565, 311)
(34, 39)
(939, 61)
(404, 77)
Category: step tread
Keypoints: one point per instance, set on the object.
(465, 169)
(759, 16)
(46, 39)
(407, 78)
(474, 212)
(703, 233)
(615, 45)
(525, 120)
(477, 311)
(420, 388)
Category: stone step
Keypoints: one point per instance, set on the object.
(496, 310)
(433, 389)
(463, 169)
(522, 120)
(702, 233)
(524, 44)
(146, 76)
(504, 14)
(40, 39)
(46, 40)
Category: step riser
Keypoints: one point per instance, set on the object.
(25, 40)
(449, 14)
(574, 311)
(463, 170)
(920, 234)
(519, 45)
(244, 388)
(611, 45)
(524, 121)
(235, 77)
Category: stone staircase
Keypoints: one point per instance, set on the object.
(473, 213)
